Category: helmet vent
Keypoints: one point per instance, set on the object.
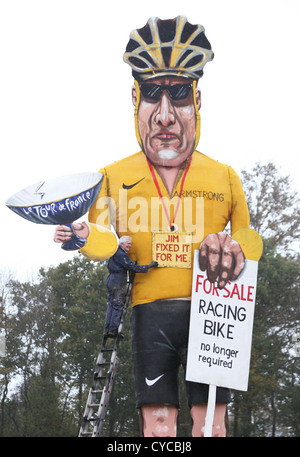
(187, 31)
(166, 52)
(166, 29)
(184, 55)
(195, 60)
(201, 41)
(147, 57)
(145, 34)
(132, 45)
(137, 62)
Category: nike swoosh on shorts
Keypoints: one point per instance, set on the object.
(151, 382)
(125, 186)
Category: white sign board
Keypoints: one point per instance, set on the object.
(221, 325)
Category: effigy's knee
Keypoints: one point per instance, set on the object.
(159, 420)
(198, 413)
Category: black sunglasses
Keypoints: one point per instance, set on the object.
(175, 92)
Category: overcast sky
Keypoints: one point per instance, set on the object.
(65, 95)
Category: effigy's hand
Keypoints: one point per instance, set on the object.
(63, 233)
(222, 258)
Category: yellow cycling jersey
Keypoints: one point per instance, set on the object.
(205, 198)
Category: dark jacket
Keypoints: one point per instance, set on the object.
(120, 263)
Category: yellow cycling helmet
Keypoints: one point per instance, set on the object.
(168, 47)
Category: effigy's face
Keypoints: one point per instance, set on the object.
(167, 120)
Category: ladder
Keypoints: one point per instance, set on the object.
(104, 376)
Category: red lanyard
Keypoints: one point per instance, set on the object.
(161, 196)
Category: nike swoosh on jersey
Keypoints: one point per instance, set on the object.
(151, 382)
(130, 186)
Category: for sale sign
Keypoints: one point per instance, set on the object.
(221, 325)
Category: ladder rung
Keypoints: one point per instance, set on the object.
(94, 405)
(89, 419)
(99, 377)
(97, 391)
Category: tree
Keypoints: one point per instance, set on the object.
(6, 363)
(34, 350)
(273, 206)
(268, 408)
(79, 293)
(56, 327)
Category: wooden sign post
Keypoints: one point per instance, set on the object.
(220, 336)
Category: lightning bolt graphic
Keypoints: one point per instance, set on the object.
(36, 192)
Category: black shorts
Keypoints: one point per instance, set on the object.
(159, 333)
